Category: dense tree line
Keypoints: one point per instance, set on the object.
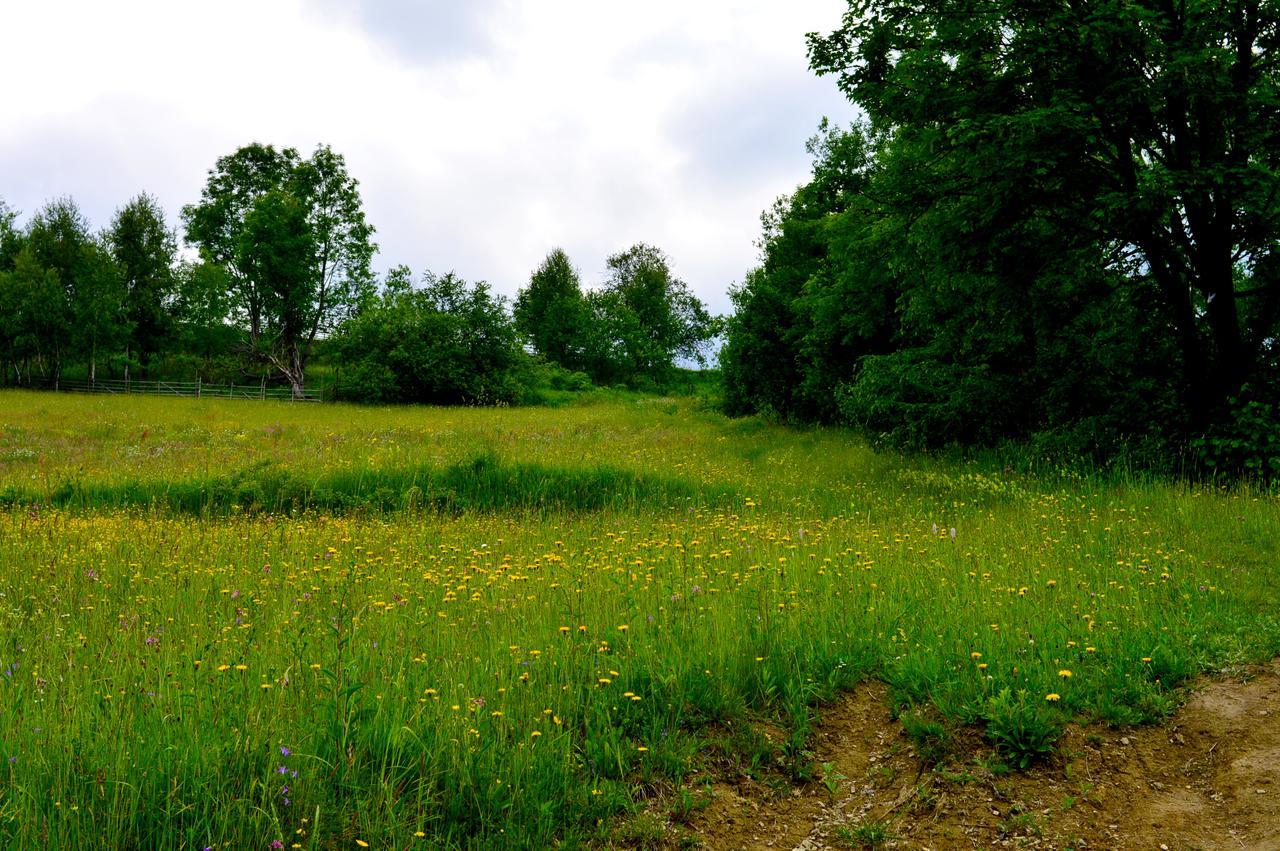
(1056, 221)
(69, 295)
(282, 270)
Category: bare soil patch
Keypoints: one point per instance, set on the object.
(1207, 779)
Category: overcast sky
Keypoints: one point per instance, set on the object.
(483, 132)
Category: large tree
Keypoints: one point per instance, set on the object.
(550, 312)
(146, 251)
(1137, 139)
(644, 319)
(292, 237)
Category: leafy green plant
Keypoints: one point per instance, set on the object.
(871, 834)
(930, 736)
(1020, 728)
(832, 778)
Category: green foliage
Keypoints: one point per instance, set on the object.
(1021, 728)
(1247, 441)
(631, 331)
(644, 319)
(11, 237)
(1050, 224)
(551, 314)
(90, 319)
(146, 252)
(34, 317)
(928, 734)
(201, 307)
(482, 484)
(445, 342)
(291, 237)
(797, 328)
(868, 835)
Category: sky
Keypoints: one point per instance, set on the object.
(483, 132)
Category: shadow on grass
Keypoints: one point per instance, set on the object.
(481, 484)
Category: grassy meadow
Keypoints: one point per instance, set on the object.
(256, 625)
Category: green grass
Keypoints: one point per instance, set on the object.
(503, 628)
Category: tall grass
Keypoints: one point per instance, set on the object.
(482, 484)
(545, 631)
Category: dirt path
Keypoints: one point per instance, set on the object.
(1208, 779)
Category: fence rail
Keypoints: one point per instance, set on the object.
(197, 389)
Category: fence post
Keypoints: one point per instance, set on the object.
(197, 387)
(231, 391)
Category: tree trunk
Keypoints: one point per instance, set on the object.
(295, 373)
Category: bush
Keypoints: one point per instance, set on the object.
(915, 400)
(1021, 729)
(444, 343)
(1246, 441)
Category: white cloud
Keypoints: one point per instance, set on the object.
(482, 133)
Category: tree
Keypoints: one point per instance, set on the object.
(643, 319)
(276, 247)
(201, 310)
(11, 238)
(214, 225)
(1088, 153)
(804, 315)
(550, 312)
(445, 342)
(146, 252)
(285, 294)
(34, 320)
(89, 320)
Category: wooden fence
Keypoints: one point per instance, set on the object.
(197, 389)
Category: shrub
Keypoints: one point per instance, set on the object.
(446, 342)
(1021, 729)
(1246, 441)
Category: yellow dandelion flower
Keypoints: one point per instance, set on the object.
(1053, 697)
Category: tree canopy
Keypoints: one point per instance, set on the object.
(1060, 218)
(292, 238)
(550, 312)
(146, 250)
(441, 342)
